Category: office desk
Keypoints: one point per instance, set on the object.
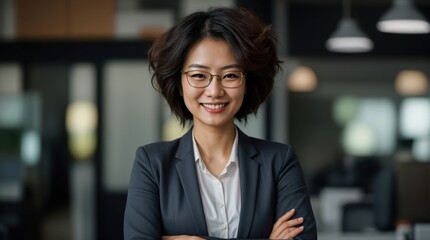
(356, 236)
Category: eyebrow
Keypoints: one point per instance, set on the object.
(208, 68)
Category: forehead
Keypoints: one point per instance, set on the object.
(211, 53)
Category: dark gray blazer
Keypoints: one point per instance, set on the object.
(164, 196)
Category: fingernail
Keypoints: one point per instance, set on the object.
(291, 210)
(301, 227)
(300, 219)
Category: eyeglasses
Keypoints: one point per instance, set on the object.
(202, 79)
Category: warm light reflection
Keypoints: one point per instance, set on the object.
(81, 122)
(411, 83)
(302, 79)
(82, 145)
(173, 129)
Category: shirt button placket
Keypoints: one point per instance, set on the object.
(221, 209)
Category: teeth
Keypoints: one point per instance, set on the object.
(214, 106)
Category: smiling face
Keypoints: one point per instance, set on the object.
(213, 105)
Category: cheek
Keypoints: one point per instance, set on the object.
(188, 93)
(241, 101)
(240, 94)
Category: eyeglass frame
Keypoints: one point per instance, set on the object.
(242, 75)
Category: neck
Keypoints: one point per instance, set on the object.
(215, 143)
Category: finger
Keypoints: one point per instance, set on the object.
(293, 222)
(284, 217)
(277, 227)
(288, 224)
(171, 237)
(291, 232)
(286, 227)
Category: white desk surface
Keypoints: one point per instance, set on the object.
(356, 236)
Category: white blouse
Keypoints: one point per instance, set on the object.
(220, 196)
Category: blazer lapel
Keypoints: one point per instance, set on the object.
(248, 169)
(186, 169)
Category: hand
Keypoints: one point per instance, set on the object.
(285, 228)
(181, 237)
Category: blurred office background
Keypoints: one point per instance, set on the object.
(76, 101)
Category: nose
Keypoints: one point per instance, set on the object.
(215, 89)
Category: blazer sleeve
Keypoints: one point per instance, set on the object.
(292, 193)
(142, 217)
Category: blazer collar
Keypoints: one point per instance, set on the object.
(186, 169)
(249, 174)
(248, 170)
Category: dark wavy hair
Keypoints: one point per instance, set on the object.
(252, 42)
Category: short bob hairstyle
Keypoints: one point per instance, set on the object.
(253, 44)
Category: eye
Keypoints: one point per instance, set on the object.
(197, 75)
(231, 76)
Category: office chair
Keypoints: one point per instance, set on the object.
(375, 214)
(358, 217)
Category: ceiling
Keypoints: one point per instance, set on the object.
(357, 2)
(311, 23)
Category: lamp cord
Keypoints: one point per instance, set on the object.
(346, 8)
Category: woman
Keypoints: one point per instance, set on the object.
(216, 182)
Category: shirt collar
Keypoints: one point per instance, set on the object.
(233, 155)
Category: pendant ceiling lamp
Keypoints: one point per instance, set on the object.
(411, 83)
(348, 37)
(302, 79)
(403, 17)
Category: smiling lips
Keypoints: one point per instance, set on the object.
(214, 108)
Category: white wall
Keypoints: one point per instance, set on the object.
(131, 119)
